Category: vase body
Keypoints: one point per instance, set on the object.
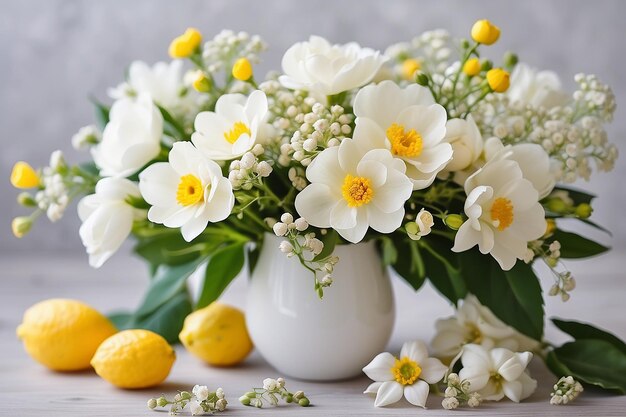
(322, 340)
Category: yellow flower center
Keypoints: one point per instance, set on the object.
(410, 67)
(357, 191)
(502, 213)
(406, 371)
(239, 128)
(474, 336)
(190, 190)
(404, 143)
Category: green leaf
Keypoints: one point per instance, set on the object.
(596, 225)
(224, 265)
(102, 113)
(330, 240)
(514, 296)
(121, 319)
(409, 264)
(176, 129)
(389, 252)
(576, 246)
(167, 283)
(170, 249)
(592, 361)
(253, 256)
(442, 268)
(581, 331)
(168, 319)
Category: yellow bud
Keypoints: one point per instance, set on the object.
(454, 221)
(410, 67)
(550, 227)
(485, 32)
(186, 44)
(471, 67)
(242, 70)
(202, 83)
(498, 80)
(583, 210)
(21, 226)
(24, 176)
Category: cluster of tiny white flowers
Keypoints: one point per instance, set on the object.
(270, 392)
(227, 46)
(86, 136)
(565, 283)
(245, 172)
(565, 391)
(53, 198)
(573, 135)
(200, 400)
(458, 393)
(431, 49)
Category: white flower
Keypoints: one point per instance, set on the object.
(270, 384)
(466, 141)
(497, 373)
(535, 88)
(422, 226)
(163, 82)
(201, 392)
(475, 323)
(406, 122)
(188, 192)
(532, 160)
(86, 136)
(409, 375)
(350, 192)
(326, 69)
(195, 408)
(503, 213)
(131, 139)
(107, 218)
(233, 128)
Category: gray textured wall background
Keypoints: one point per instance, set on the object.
(54, 53)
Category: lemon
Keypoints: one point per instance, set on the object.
(63, 334)
(134, 359)
(217, 334)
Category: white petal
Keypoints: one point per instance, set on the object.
(529, 385)
(349, 156)
(432, 370)
(512, 390)
(193, 227)
(379, 369)
(325, 169)
(368, 135)
(384, 222)
(394, 193)
(222, 201)
(256, 106)
(417, 393)
(185, 158)
(342, 216)
(415, 350)
(372, 388)
(356, 234)
(315, 204)
(375, 171)
(158, 184)
(389, 392)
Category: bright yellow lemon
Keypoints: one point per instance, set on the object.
(63, 334)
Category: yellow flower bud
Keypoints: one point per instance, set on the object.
(21, 226)
(202, 83)
(485, 32)
(454, 221)
(583, 210)
(242, 70)
(550, 227)
(184, 45)
(498, 80)
(24, 176)
(410, 67)
(471, 67)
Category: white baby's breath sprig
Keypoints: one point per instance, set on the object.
(271, 392)
(566, 390)
(458, 392)
(200, 400)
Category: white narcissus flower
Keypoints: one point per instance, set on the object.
(325, 69)
(131, 139)
(475, 323)
(107, 218)
(188, 192)
(503, 213)
(233, 128)
(406, 122)
(350, 192)
(466, 141)
(409, 375)
(532, 159)
(497, 373)
(536, 88)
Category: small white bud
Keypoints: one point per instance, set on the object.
(264, 169)
(306, 162)
(258, 149)
(310, 145)
(301, 224)
(247, 160)
(286, 247)
(281, 381)
(269, 384)
(280, 229)
(286, 218)
(220, 405)
(333, 142)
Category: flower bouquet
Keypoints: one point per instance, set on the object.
(452, 167)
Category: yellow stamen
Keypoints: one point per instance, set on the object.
(475, 335)
(190, 190)
(404, 143)
(239, 128)
(406, 371)
(357, 191)
(410, 67)
(502, 213)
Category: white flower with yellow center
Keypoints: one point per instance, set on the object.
(233, 128)
(503, 213)
(408, 375)
(497, 373)
(325, 69)
(350, 192)
(188, 192)
(408, 123)
(475, 323)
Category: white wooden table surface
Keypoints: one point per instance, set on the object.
(27, 389)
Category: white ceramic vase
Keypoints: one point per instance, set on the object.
(322, 340)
